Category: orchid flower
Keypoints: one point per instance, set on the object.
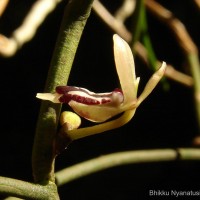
(100, 107)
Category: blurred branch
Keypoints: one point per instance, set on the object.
(183, 38)
(197, 2)
(170, 72)
(123, 158)
(9, 46)
(121, 30)
(23, 34)
(126, 10)
(179, 76)
(185, 42)
(3, 5)
(110, 20)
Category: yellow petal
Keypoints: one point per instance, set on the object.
(125, 68)
(49, 96)
(151, 84)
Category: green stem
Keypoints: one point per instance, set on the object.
(74, 20)
(147, 41)
(26, 190)
(124, 158)
(152, 59)
(137, 22)
(193, 60)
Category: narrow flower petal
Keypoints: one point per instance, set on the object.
(50, 97)
(125, 68)
(151, 84)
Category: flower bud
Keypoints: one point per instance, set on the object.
(72, 120)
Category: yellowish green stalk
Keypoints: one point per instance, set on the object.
(124, 158)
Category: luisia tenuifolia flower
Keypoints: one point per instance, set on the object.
(100, 107)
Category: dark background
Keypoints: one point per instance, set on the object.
(165, 120)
